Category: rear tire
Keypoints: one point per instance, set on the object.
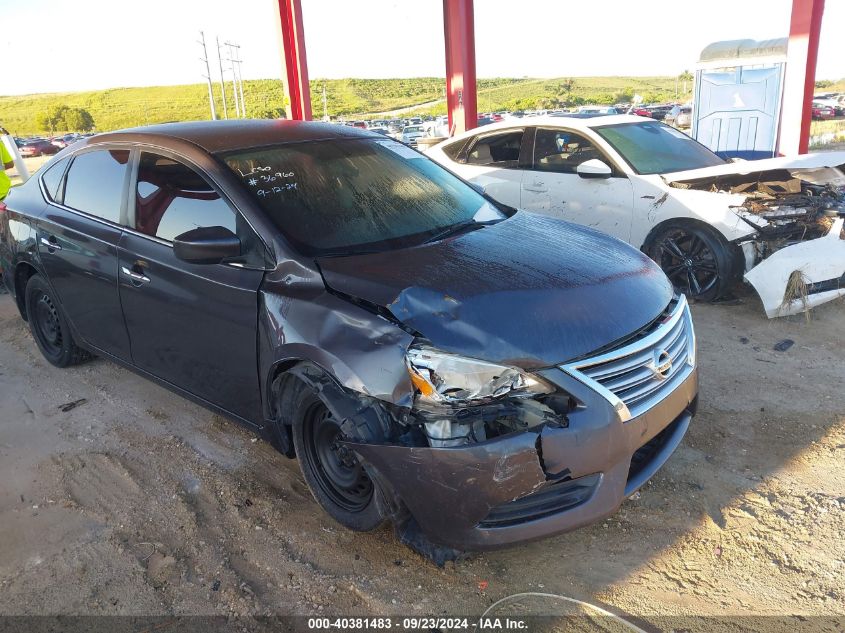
(697, 260)
(49, 326)
(335, 475)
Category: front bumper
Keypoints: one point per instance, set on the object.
(821, 263)
(531, 485)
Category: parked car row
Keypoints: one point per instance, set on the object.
(833, 100)
(36, 146)
(680, 117)
(658, 112)
(823, 112)
(410, 129)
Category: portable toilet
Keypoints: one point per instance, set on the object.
(738, 91)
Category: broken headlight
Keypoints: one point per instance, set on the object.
(443, 378)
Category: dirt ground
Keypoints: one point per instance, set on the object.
(119, 497)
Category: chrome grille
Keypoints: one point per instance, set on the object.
(640, 374)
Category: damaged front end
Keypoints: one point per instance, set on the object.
(490, 455)
(795, 256)
(461, 400)
(493, 440)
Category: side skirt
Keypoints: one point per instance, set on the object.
(253, 426)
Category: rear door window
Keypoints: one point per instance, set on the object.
(496, 150)
(95, 183)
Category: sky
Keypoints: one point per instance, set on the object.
(71, 45)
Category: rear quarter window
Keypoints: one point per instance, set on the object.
(453, 150)
(52, 179)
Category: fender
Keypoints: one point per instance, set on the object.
(363, 352)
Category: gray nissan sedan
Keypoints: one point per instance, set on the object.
(475, 374)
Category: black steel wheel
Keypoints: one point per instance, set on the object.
(335, 475)
(49, 326)
(698, 261)
(340, 474)
(45, 320)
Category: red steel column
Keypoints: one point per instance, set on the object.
(292, 35)
(800, 79)
(459, 35)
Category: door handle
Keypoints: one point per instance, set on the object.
(134, 276)
(51, 244)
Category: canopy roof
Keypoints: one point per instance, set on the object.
(731, 50)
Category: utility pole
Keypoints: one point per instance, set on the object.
(222, 84)
(207, 76)
(325, 107)
(234, 79)
(240, 76)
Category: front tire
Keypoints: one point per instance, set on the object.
(697, 260)
(49, 325)
(335, 475)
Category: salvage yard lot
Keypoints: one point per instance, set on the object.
(122, 498)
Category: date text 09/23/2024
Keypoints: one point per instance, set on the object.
(417, 623)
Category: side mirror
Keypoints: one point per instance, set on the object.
(594, 168)
(206, 245)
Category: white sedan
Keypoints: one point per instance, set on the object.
(707, 221)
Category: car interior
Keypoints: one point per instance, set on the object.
(562, 151)
(501, 150)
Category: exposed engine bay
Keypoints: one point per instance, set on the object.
(797, 215)
(783, 206)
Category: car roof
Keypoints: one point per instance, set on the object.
(223, 136)
(574, 123)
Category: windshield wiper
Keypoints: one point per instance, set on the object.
(447, 231)
(457, 228)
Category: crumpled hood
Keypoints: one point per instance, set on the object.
(530, 291)
(804, 161)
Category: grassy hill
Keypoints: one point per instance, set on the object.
(353, 98)
(125, 107)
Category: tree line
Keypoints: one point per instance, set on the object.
(62, 118)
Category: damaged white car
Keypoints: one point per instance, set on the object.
(708, 222)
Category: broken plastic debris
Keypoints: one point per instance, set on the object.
(72, 405)
(785, 344)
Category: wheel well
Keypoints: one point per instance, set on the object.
(691, 222)
(272, 387)
(281, 392)
(734, 252)
(23, 272)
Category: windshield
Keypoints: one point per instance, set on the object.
(654, 148)
(350, 196)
